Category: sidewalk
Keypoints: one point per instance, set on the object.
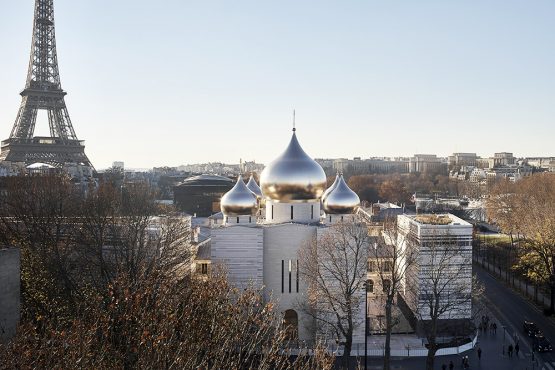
(494, 354)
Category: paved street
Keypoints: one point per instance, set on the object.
(511, 309)
(508, 309)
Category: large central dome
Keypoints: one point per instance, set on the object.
(293, 176)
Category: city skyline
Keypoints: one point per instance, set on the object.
(151, 86)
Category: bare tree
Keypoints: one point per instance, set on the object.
(126, 232)
(528, 207)
(390, 258)
(72, 245)
(34, 213)
(161, 322)
(441, 288)
(334, 267)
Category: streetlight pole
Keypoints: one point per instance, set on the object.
(503, 339)
(366, 326)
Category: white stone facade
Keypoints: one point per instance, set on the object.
(438, 246)
(279, 212)
(238, 250)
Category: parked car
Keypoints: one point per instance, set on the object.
(531, 329)
(541, 344)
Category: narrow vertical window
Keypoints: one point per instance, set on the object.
(297, 273)
(282, 273)
(290, 276)
(291, 212)
(312, 212)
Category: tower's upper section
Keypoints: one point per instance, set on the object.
(43, 71)
(341, 199)
(293, 176)
(239, 201)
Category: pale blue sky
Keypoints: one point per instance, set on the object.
(174, 82)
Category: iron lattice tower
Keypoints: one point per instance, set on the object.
(43, 91)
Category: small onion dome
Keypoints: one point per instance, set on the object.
(253, 186)
(239, 201)
(293, 176)
(341, 200)
(329, 190)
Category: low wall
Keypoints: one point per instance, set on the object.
(9, 292)
(414, 352)
(358, 350)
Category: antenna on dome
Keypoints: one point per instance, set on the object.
(294, 129)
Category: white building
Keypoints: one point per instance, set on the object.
(118, 164)
(262, 248)
(443, 246)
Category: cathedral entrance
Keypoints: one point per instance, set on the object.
(291, 324)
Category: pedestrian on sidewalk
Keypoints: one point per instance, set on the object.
(451, 365)
(466, 362)
(510, 350)
(494, 328)
(517, 348)
(479, 351)
(443, 367)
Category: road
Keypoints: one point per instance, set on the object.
(511, 309)
(507, 308)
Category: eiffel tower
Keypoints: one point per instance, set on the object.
(43, 91)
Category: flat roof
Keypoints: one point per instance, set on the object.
(441, 219)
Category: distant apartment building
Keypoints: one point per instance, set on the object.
(118, 164)
(341, 165)
(327, 165)
(427, 163)
(394, 165)
(223, 169)
(462, 159)
(357, 165)
(478, 175)
(443, 246)
(482, 162)
(510, 172)
(541, 163)
(502, 159)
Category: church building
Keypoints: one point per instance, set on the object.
(264, 228)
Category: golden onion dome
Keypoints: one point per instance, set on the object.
(239, 201)
(253, 186)
(341, 200)
(328, 190)
(293, 176)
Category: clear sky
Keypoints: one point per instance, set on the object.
(173, 82)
